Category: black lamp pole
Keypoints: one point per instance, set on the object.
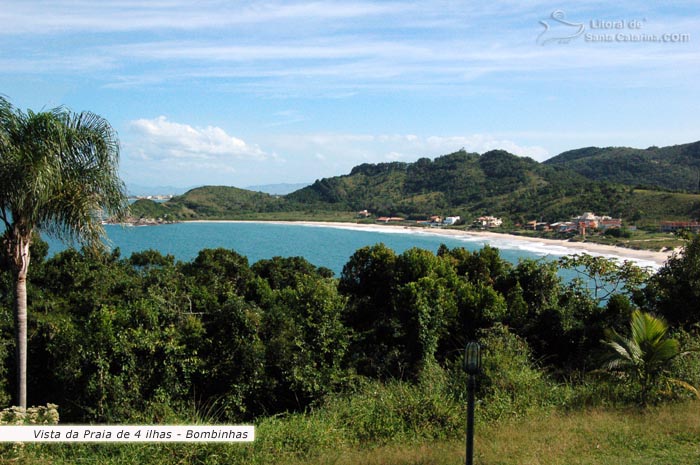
(472, 365)
(471, 385)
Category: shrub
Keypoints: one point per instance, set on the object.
(42, 415)
(510, 384)
(398, 411)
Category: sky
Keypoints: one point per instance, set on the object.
(247, 93)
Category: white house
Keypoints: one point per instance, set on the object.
(489, 221)
(450, 220)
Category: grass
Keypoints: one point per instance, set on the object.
(659, 436)
(663, 435)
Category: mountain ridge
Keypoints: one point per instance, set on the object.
(467, 184)
(674, 168)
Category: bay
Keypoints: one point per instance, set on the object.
(330, 247)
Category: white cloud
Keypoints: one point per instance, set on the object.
(21, 17)
(316, 48)
(159, 138)
(483, 143)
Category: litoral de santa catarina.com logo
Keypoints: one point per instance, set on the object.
(558, 29)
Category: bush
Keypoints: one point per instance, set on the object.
(618, 232)
(399, 411)
(685, 369)
(510, 384)
(42, 415)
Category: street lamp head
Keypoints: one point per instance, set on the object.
(472, 358)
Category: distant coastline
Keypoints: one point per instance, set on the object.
(557, 247)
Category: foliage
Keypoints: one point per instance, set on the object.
(671, 168)
(581, 437)
(674, 290)
(59, 172)
(146, 338)
(606, 276)
(372, 358)
(645, 354)
(306, 344)
(41, 415)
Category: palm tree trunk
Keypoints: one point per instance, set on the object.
(21, 259)
(21, 338)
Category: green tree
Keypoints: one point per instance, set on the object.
(369, 281)
(606, 276)
(308, 342)
(674, 291)
(644, 354)
(59, 173)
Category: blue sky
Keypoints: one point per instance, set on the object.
(246, 92)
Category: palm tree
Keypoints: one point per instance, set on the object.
(645, 353)
(58, 175)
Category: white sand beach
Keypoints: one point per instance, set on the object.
(504, 241)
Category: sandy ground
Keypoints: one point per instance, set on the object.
(645, 257)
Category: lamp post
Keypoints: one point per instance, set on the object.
(472, 365)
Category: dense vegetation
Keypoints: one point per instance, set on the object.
(465, 184)
(114, 339)
(675, 168)
(373, 356)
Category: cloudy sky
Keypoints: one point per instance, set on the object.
(251, 92)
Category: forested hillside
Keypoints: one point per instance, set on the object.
(674, 168)
(496, 182)
(467, 184)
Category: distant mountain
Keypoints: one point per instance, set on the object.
(141, 190)
(278, 189)
(674, 168)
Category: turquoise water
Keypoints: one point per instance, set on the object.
(323, 246)
(330, 247)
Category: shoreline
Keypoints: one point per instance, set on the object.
(559, 247)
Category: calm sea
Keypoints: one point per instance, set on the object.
(330, 247)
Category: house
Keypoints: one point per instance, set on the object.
(586, 221)
(670, 226)
(488, 222)
(590, 221)
(606, 223)
(388, 219)
(451, 220)
(363, 214)
(563, 226)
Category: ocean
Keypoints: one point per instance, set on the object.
(328, 246)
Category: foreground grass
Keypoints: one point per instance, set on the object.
(660, 436)
(663, 435)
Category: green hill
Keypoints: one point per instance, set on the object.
(466, 184)
(675, 168)
(210, 202)
(461, 183)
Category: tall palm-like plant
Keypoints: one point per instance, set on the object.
(58, 175)
(645, 353)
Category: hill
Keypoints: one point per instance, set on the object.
(462, 183)
(465, 184)
(675, 168)
(210, 202)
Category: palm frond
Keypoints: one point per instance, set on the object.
(687, 386)
(61, 170)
